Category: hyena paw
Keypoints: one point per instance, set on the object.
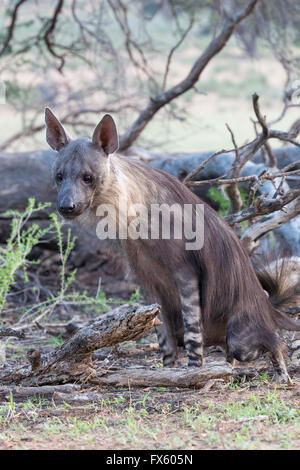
(283, 378)
(195, 362)
(169, 362)
(234, 362)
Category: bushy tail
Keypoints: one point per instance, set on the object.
(280, 278)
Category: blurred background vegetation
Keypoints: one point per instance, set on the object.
(84, 58)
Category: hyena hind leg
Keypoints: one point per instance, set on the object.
(188, 289)
(231, 359)
(246, 344)
(243, 343)
(279, 364)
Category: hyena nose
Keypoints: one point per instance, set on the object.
(66, 208)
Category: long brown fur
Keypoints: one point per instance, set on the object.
(217, 283)
(280, 278)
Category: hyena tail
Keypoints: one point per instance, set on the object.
(281, 281)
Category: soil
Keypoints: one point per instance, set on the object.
(250, 411)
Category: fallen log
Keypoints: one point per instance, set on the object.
(12, 332)
(165, 377)
(73, 360)
(21, 393)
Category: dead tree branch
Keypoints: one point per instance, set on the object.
(119, 10)
(11, 332)
(256, 178)
(265, 206)
(11, 27)
(275, 220)
(156, 103)
(287, 102)
(70, 118)
(173, 49)
(73, 360)
(236, 202)
(243, 154)
(21, 393)
(49, 33)
(183, 378)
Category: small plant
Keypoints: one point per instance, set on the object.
(64, 251)
(216, 196)
(264, 377)
(224, 201)
(57, 340)
(135, 297)
(14, 256)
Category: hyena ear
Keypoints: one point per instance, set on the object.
(55, 133)
(105, 135)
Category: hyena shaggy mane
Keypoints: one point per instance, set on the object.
(209, 295)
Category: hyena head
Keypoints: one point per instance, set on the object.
(81, 165)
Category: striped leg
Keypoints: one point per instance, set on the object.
(188, 289)
(282, 375)
(166, 340)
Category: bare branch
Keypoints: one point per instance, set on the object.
(68, 119)
(156, 103)
(242, 179)
(49, 32)
(130, 44)
(271, 222)
(263, 207)
(188, 179)
(243, 154)
(261, 119)
(236, 202)
(170, 55)
(11, 27)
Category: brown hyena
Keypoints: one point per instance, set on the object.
(209, 295)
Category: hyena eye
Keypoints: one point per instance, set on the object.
(88, 179)
(59, 177)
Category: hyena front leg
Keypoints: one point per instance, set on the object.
(188, 288)
(167, 346)
(166, 336)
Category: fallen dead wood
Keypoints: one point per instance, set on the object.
(21, 393)
(130, 377)
(77, 398)
(73, 360)
(138, 350)
(11, 332)
(165, 377)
